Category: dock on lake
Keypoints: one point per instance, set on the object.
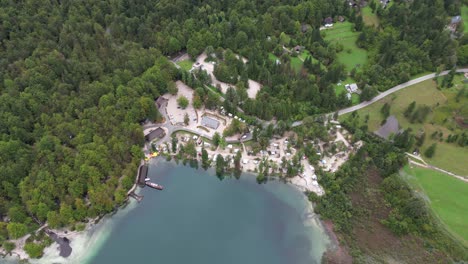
(142, 174)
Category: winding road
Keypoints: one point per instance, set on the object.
(388, 92)
(174, 128)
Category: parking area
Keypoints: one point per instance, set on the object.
(174, 112)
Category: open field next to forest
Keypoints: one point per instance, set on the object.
(443, 119)
(369, 18)
(446, 195)
(344, 34)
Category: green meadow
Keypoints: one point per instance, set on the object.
(343, 33)
(446, 195)
(369, 18)
(185, 64)
(464, 14)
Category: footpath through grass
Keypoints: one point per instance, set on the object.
(447, 197)
(441, 119)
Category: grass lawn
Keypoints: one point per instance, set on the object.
(296, 63)
(185, 64)
(304, 54)
(343, 33)
(215, 90)
(449, 156)
(447, 196)
(464, 14)
(341, 89)
(272, 57)
(369, 18)
(355, 99)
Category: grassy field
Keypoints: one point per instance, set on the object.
(343, 33)
(464, 14)
(369, 18)
(448, 156)
(304, 54)
(296, 63)
(447, 196)
(272, 57)
(185, 64)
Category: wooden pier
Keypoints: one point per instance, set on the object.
(135, 196)
(141, 175)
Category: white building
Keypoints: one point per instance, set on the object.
(351, 88)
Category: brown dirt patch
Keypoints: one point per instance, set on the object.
(375, 241)
(337, 253)
(461, 121)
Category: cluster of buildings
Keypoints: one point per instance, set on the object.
(342, 147)
(350, 89)
(328, 21)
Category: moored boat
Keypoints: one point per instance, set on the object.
(154, 185)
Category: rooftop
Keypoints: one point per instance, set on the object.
(456, 20)
(161, 101)
(210, 122)
(157, 133)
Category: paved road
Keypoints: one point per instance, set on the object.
(386, 93)
(174, 128)
(394, 89)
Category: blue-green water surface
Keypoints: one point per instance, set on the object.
(199, 219)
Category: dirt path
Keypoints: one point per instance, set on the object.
(428, 166)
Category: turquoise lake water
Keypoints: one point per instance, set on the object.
(199, 219)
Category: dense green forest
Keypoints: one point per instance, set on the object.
(72, 96)
(77, 77)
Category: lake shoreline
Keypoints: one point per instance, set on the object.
(204, 193)
(77, 239)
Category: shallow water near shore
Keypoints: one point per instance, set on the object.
(198, 218)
